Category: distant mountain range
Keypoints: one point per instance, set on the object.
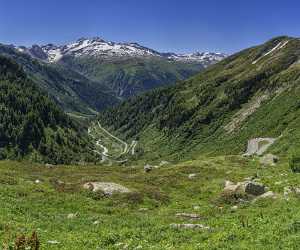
(97, 47)
(90, 75)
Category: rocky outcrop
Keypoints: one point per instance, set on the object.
(108, 188)
(258, 146)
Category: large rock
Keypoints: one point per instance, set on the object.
(269, 160)
(248, 187)
(108, 188)
(254, 188)
(267, 195)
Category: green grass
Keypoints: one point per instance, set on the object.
(27, 206)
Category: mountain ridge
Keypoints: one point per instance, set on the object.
(220, 109)
(101, 48)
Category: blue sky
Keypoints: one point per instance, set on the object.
(165, 25)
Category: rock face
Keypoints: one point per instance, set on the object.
(269, 160)
(108, 188)
(258, 146)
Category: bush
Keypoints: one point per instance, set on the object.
(295, 163)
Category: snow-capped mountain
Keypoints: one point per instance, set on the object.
(97, 47)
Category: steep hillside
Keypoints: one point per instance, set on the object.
(131, 76)
(71, 90)
(254, 93)
(31, 125)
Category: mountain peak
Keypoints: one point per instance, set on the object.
(100, 48)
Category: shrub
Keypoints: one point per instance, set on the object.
(295, 163)
(22, 242)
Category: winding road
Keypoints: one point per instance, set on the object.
(124, 148)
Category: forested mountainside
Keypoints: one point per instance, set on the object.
(32, 126)
(254, 93)
(71, 91)
(128, 77)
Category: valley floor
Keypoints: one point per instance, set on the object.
(51, 201)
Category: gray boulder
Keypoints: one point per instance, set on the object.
(108, 188)
(254, 188)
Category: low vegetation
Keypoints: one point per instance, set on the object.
(51, 202)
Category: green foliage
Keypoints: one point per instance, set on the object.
(31, 124)
(131, 76)
(295, 163)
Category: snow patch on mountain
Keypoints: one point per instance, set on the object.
(97, 47)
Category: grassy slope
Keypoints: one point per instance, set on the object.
(27, 206)
(131, 76)
(184, 121)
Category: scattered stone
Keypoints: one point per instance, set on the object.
(234, 208)
(108, 188)
(96, 222)
(196, 207)
(53, 242)
(148, 168)
(255, 188)
(289, 190)
(189, 226)
(72, 216)
(267, 195)
(192, 176)
(269, 160)
(231, 187)
(143, 209)
(163, 163)
(59, 182)
(49, 165)
(286, 192)
(186, 215)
